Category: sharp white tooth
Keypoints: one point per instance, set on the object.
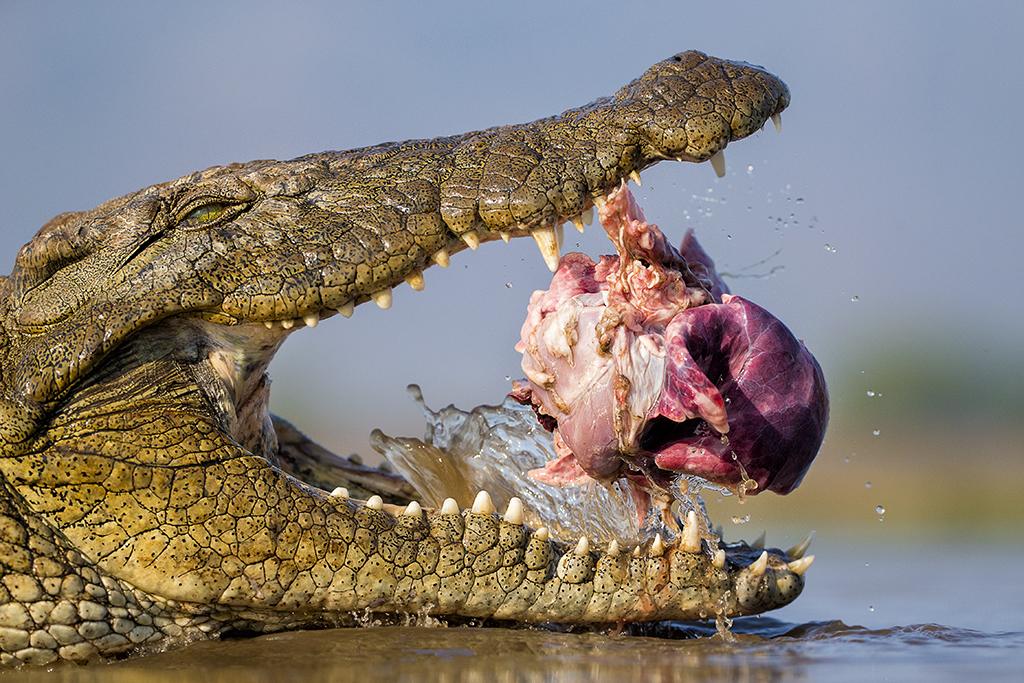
(416, 281)
(758, 566)
(505, 236)
(798, 567)
(588, 215)
(777, 121)
(311, 320)
(797, 551)
(441, 258)
(582, 547)
(483, 505)
(560, 236)
(691, 534)
(269, 325)
(599, 202)
(375, 503)
(413, 509)
(759, 541)
(472, 240)
(541, 534)
(613, 549)
(382, 298)
(719, 559)
(340, 492)
(635, 177)
(449, 507)
(347, 309)
(578, 223)
(658, 546)
(636, 551)
(547, 242)
(287, 324)
(514, 513)
(718, 163)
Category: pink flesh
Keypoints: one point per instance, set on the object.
(637, 366)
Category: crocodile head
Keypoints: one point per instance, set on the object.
(145, 482)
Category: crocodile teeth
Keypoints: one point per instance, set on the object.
(635, 177)
(287, 324)
(560, 236)
(777, 122)
(506, 237)
(441, 258)
(311, 320)
(658, 546)
(588, 215)
(547, 242)
(375, 503)
(718, 163)
(416, 281)
(759, 541)
(578, 223)
(347, 309)
(472, 240)
(582, 547)
(541, 534)
(691, 534)
(413, 509)
(613, 548)
(797, 551)
(340, 492)
(382, 298)
(269, 325)
(719, 559)
(798, 567)
(514, 513)
(449, 507)
(758, 566)
(483, 505)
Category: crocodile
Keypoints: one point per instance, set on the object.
(148, 497)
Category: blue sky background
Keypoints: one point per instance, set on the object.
(897, 179)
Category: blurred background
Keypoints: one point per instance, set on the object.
(882, 225)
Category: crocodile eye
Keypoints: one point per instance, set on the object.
(206, 214)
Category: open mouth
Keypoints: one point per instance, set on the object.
(136, 339)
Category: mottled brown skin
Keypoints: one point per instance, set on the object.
(148, 497)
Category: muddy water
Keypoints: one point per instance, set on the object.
(873, 610)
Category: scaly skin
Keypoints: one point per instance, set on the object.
(148, 496)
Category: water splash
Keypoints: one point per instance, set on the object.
(493, 448)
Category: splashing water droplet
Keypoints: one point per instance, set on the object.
(737, 519)
(508, 378)
(871, 394)
(876, 432)
(854, 298)
(750, 169)
(871, 608)
(830, 249)
(508, 285)
(867, 484)
(879, 509)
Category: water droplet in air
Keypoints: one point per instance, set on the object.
(799, 200)
(876, 432)
(871, 394)
(879, 509)
(508, 378)
(508, 285)
(867, 484)
(854, 298)
(871, 608)
(830, 249)
(737, 519)
(750, 169)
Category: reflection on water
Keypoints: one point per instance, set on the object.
(764, 650)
